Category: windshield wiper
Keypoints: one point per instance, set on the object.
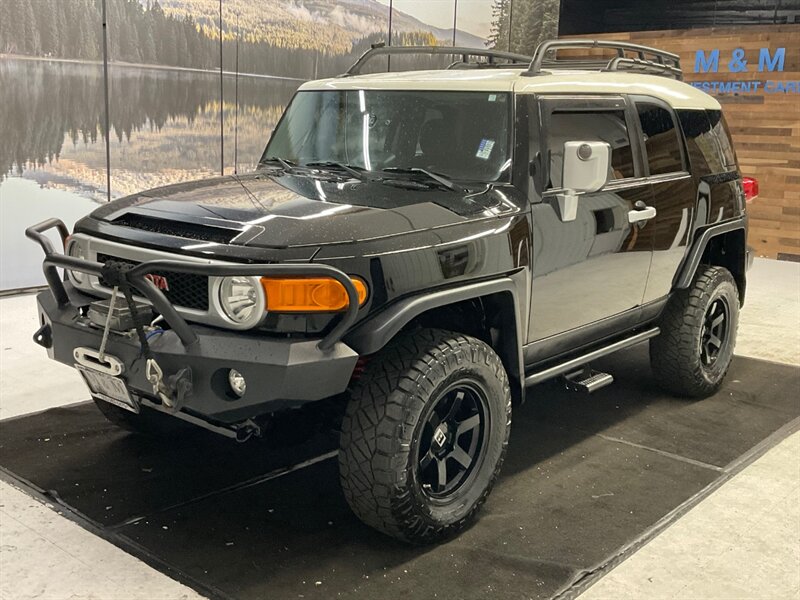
(330, 164)
(286, 165)
(437, 177)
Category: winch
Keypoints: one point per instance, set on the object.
(121, 317)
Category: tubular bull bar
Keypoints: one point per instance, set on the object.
(137, 278)
(193, 361)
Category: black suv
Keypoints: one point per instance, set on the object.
(426, 244)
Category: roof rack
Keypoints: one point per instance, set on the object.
(492, 56)
(646, 59)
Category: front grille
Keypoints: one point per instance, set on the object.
(182, 229)
(185, 289)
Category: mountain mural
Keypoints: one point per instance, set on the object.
(302, 39)
(327, 25)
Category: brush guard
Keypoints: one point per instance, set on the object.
(178, 387)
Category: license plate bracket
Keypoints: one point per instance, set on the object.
(108, 388)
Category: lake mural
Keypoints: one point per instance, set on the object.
(165, 100)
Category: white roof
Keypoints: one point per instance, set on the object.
(675, 93)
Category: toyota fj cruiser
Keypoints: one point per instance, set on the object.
(428, 244)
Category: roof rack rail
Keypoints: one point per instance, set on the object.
(646, 59)
(511, 59)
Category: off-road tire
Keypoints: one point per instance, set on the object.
(385, 419)
(146, 422)
(676, 354)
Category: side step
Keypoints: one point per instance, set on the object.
(587, 380)
(574, 364)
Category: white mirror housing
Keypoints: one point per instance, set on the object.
(585, 170)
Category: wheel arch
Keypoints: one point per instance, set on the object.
(723, 245)
(488, 310)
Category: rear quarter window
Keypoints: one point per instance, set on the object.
(723, 134)
(705, 153)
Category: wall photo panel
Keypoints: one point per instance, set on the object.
(164, 97)
(52, 153)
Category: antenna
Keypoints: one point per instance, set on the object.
(389, 56)
(221, 106)
(105, 94)
(510, 22)
(455, 21)
(236, 108)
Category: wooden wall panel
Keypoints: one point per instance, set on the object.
(765, 126)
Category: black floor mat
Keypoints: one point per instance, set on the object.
(584, 476)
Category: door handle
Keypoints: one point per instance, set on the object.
(641, 212)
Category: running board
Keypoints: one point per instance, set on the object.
(579, 361)
(587, 380)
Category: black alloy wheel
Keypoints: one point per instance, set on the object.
(452, 439)
(714, 336)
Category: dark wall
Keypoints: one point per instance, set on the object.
(610, 16)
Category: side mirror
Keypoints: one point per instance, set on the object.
(585, 170)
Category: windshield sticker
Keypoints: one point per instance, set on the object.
(492, 97)
(485, 149)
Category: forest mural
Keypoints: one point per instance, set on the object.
(520, 26)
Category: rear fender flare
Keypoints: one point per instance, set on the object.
(685, 275)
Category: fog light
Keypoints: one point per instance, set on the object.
(237, 382)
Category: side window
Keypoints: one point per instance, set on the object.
(661, 140)
(705, 155)
(720, 128)
(589, 126)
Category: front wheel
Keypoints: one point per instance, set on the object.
(692, 354)
(424, 435)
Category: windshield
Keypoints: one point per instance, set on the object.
(462, 135)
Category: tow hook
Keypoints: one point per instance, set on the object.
(246, 430)
(175, 391)
(181, 383)
(44, 336)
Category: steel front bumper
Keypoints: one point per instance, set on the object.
(279, 372)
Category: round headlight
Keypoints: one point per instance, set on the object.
(76, 251)
(239, 299)
(237, 382)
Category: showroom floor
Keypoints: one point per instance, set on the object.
(742, 540)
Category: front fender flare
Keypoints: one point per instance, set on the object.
(374, 333)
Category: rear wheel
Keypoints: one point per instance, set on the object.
(424, 435)
(698, 332)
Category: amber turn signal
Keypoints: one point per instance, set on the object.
(318, 294)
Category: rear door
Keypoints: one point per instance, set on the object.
(596, 266)
(675, 195)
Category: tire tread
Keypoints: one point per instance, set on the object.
(385, 404)
(673, 355)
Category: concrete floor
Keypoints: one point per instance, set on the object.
(743, 541)
(44, 555)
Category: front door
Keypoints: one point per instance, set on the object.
(595, 266)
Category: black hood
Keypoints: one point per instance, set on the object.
(281, 211)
